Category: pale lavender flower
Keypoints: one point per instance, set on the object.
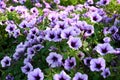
(57, 1)
(6, 61)
(90, 1)
(61, 76)
(106, 31)
(27, 68)
(113, 30)
(118, 1)
(10, 28)
(87, 61)
(9, 77)
(104, 48)
(30, 51)
(34, 30)
(69, 63)
(97, 64)
(88, 31)
(106, 73)
(23, 24)
(34, 11)
(107, 39)
(81, 55)
(95, 17)
(31, 37)
(54, 59)
(16, 33)
(74, 43)
(16, 56)
(11, 8)
(22, 1)
(36, 74)
(103, 2)
(38, 47)
(27, 60)
(79, 76)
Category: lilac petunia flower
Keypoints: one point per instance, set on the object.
(16, 33)
(34, 31)
(6, 61)
(34, 11)
(9, 77)
(106, 73)
(87, 61)
(69, 63)
(10, 28)
(103, 2)
(31, 37)
(61, 76)
(36, 74)
(30, 51)
(74, 43)
(95, 17)
(57, 1)
(27, 68)
(54, 59)
(97, 64)
(79, 76)
(104, 48)
(107, 39)
(81, 55)
(89, 30)
(23, 24)
(113, 30)
(38, 47)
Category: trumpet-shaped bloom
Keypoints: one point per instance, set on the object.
(79, 76)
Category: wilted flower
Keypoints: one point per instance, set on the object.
(106, 73)
(81, 55)
(74, 43)
(97, 64)
(61, 76)
(104, 48)
(79, 76)
(36, 74)
(6, 61)
(69, 63)
(54, 59)
(27, 68)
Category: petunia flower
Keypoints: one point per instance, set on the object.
(87, 61)
(69, 63)
(6, 61)
(106, 73)
(38, 47)
(74, 43)
(54, 59)
(97, 64)
(27, 68)
(61, 76)
(104, 48)
(36, 74)
(79, 76)
(95, 17)
(10, 28)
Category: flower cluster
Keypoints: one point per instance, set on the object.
(75, 40)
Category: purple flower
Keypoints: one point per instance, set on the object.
(16, 33)
(103, 2)
(34, 31)
(28, 60)
(113, 30)
(57, 1)
(81, 55)
(79, 76)
(95, 17)
(69, 63)
(36, 74)
(6, 61)
(106, 30)
(107, 39)
(38, 47)
(61, 76)
(87, 61)
(9, 77)
(23, 24)
(30, 51)
(34, 11)
(27, 68)
(118, 1)
(97, 64)
(106, 73)
(104, 48)
(89, 30)
(54, 59)
(10, 28)
(90, 1)
(31, 37)
(74, 43)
